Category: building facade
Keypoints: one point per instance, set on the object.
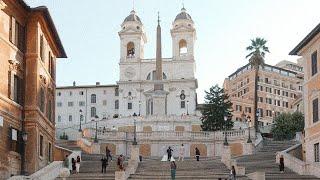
(29, 46)
(278, 88)
(309, 49)
(137, 76)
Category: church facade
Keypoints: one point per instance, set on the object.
(133, 92)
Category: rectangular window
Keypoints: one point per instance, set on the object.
(41, 146)
(70, 104)
(17, 89)
(82, 103)
(59, 118)
(41, 48)
(261, 99)
(116, 92)
(59, 104)
(116, 104)
(315, 110)
(316, 152)
(182, 104)
(49, 152)
(104, 102)
(314, 65)
(70, 118)
(129, 105)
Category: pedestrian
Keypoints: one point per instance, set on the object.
(120, 163)
(104, 163)
(181, 153)
(66, 162)
(169, 152)
(108, 153)
(233, 173)
(78, 164)
(281, 166)
(73, 161)
(173, 168)
(197, 154)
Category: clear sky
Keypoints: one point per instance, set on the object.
(88, 30)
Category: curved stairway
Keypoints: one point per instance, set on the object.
(265, 160)
(208, 168)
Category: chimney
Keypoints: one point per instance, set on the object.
(97, 83)
(74, 83)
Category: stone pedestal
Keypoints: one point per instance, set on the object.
(95, 148)
(135, 152)
(226, 156)
(159, 98)
(248, 148)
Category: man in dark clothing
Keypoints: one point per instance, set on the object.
(108, 153)
(169, 151)
(104, 162)
(197, 154)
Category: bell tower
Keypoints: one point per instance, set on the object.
(132, 39)
(183, 36)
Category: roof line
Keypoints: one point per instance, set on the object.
(86, 86)
(305, 40)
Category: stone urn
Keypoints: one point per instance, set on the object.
(64, 173)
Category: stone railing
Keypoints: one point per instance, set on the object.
(172, 135)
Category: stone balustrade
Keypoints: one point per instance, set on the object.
(172, 135)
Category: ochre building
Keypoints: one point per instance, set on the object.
(29, 46)
(279, 87)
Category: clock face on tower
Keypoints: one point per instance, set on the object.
(130, 72)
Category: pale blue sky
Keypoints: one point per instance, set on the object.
(88, 30)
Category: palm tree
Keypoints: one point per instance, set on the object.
(257, 50)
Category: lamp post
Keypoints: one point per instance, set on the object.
(273, 116)
(139, 107)
(257, 115)
(249, 124)
(134, 130)
(23, 161)
(96, 134)
(187, 107)
(225, 132)
(80, 112)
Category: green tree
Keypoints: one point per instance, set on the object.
(286, 125)
(257, 51)
(217, 105)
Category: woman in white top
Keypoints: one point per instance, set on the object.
(181, 153)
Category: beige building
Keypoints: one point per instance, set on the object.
(278, 87)
(29, 46)
(308, 48)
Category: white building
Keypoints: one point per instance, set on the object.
(137, 78)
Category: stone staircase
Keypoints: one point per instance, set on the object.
(90, 168)
(264, 160)
(206, 168)
(68, 144)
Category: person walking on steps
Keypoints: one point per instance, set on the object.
(120, 163)
(197, 154)
(73, 161)
(78, 164)
(233, 173)
(169, 152)
(181, 153)
(281, 166)
(173, 168)
(104, 163)
(108, 153)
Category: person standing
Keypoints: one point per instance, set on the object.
(181, 153)
(281, 166)
(108, 153)
(78, 164)
(197, 154)
(73, 161)
(233, 173)
(104, 163)
(173, 168)
(169, 152)
(120, 163)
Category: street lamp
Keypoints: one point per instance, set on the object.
(134, 130)
(96, 134)
(23, 161)
(187, 107)
(139, 107)
(257, 125)
(80, 112)
(225, 132)
(273, 116)
(249, 124)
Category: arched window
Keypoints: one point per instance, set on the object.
(130, 49)
(116, 104)
(93, 111)
(183, 47)
(93, 98)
